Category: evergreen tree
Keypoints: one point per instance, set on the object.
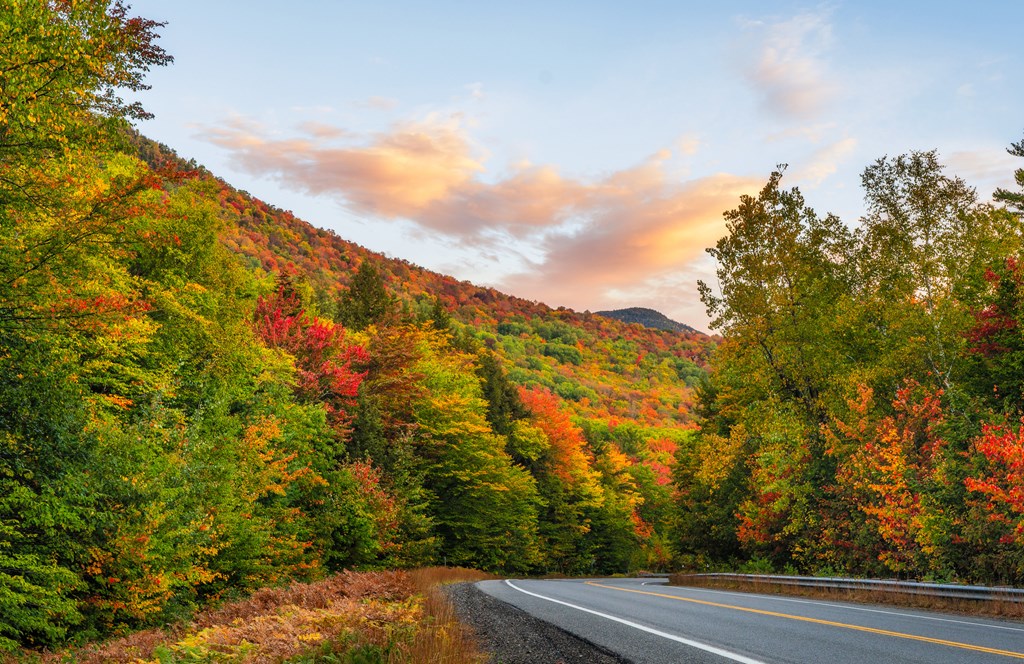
(367, 301)
(1014, 200)
(504, 407)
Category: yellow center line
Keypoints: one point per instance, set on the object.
(859, 628)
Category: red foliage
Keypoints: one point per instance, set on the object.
(894, 463)
(994, 320)
(569, 461)
(323, 360)
(1002, 480)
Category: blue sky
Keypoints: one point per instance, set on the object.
(579, 154)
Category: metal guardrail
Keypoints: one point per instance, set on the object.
(953, 590)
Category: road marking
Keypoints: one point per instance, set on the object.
(818, 621)
(736, 657)
(847, 607)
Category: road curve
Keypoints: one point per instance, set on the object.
(646, 621)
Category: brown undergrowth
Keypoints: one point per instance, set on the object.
(992, 608)
(394, 617)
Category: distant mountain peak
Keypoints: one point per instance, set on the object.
(647, 318)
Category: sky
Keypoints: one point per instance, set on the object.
(580, 154)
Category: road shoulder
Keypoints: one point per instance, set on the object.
(511, 636)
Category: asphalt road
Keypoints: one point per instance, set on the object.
(645, 621)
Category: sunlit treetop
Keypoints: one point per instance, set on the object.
(64, 66)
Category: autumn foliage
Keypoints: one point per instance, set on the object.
(204, 398)
(858, 415)
(394, 616)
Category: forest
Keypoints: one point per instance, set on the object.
(863, 411)
(202, 395)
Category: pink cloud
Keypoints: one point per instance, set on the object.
(378, 103)
(598, 237)
(396, 174)
(634, 236)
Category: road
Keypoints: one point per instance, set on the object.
(646, 621)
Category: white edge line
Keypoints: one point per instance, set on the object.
(650, 630)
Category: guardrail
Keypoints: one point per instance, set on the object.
(953, 590)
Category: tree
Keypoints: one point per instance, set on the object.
(782, 271)
(996, 341)
(926, 247)
(892, 469)
(366, 301)
(504, 407)
(996, 488)
(1014, 199)
(65, 65)
(570, 487)
(484, 506)
(324, 359)
(784, 275)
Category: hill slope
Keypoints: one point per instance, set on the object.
(647, 318)
(601, 366)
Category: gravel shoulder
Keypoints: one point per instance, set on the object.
(511, 636)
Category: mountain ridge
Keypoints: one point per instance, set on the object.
(648, 318)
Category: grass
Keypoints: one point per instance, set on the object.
(393, 617)
(992, 608)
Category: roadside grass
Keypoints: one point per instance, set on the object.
(390, 617)
(992, 608)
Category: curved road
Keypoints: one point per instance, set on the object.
(645, 620)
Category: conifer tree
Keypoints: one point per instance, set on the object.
(367, 301)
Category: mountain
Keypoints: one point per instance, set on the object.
(647, 318)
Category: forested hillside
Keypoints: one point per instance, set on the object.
(600, 367)
(201, 395)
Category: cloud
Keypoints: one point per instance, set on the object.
(825, 161)
(377, 103)
(787, 66)
(583, 240)
(689, 144)
(321, 130)
(394, 174)
(985, 169)
(639, 232)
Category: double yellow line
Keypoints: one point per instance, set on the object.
(818, 621)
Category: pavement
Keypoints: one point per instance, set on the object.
(645, 621)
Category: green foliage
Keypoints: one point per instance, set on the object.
(563, 353)
(485, 507)
(842, 424)
(64, 67)
(179, 422)
(1014, 200)
(503, 404)
(182, 419)
(367, 301)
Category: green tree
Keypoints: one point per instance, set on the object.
(782, 271)
(504, 407)
(65, 65)
(924, 246)
(1014, 199)
(483, 505)
(367, 301)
